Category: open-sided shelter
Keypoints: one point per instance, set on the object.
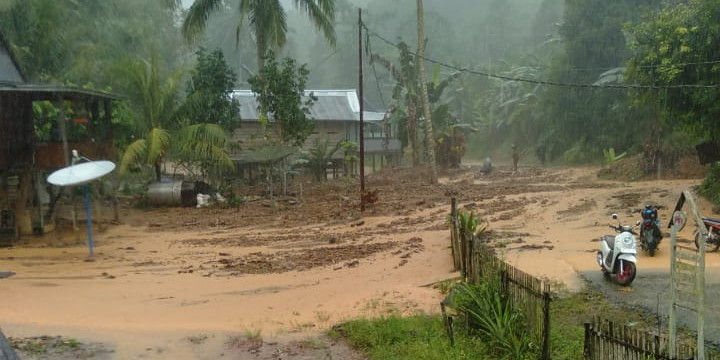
(33, 146)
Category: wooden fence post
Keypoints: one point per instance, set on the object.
(546, 326)
(454, 232)
(586, 347)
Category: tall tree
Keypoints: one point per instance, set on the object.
(429, 136)
(405, 90)
(678, 45)
(208, 92)
(267, 20)
(36, 31)
(280, 89)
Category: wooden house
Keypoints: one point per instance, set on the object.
(33, 145)
(337, 117)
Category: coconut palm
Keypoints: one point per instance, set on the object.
(155, 104)
(267, 20)
(429, 137)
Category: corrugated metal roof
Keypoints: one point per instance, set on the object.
(51, 92)
(9, 71)
(338, 105)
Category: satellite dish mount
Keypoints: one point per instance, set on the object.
(82, 173)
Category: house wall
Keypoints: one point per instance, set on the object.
(249, 135)
(16, 131)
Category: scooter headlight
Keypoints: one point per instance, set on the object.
(628, 241)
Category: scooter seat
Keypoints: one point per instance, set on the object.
(610, 240)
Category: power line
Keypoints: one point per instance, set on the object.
(551, 83)
(377, 81)
(337, 50)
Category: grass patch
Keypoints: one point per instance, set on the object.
(569, 312)
(415, 337)
(395, 337)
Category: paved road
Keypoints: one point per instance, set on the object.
(651, 292)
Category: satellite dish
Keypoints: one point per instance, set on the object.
(81, 173)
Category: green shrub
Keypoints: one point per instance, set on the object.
(710, 187)
(489, 314)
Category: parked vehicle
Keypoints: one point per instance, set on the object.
(650, 234)
(617, 255)
(712, 243)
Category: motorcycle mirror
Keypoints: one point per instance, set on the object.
(614, 216)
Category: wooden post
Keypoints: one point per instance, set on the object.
(360, 100)
(546, 326)
(586, 346)
(453, 231)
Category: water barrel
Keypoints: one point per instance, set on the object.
(173, 193)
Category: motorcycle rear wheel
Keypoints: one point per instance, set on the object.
(627, 275)
(712, 245)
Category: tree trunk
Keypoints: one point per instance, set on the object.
(260, 57)
(429, 137)
(158, 171)
(412, 120)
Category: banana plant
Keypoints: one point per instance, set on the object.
(611, 157)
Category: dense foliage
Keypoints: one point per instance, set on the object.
(280, 89)
(674, 47)
(208, 92)
(554, 77)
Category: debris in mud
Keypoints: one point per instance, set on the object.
(536, 247)
(283, 261)
(353, 263)
(58, 348)
(358, 223)
(573, 211)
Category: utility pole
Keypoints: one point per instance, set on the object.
(360, 95)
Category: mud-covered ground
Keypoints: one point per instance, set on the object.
(264, 278)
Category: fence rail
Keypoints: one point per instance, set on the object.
(605, 340)
(477, 261)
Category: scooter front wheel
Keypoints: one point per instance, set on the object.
(625, 272)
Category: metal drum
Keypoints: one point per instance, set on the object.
(173, 193)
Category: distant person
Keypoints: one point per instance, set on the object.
(540, 153)
(486, 166)
(515, 157)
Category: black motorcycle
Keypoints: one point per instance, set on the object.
(650, 234)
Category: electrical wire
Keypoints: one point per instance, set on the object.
(540, 82)
(337, 50)
(377, 81)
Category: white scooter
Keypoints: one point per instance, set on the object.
(617, 255)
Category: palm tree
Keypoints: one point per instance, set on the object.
(159, 120)
(267, 20)
(155, 104)
(429, 137)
